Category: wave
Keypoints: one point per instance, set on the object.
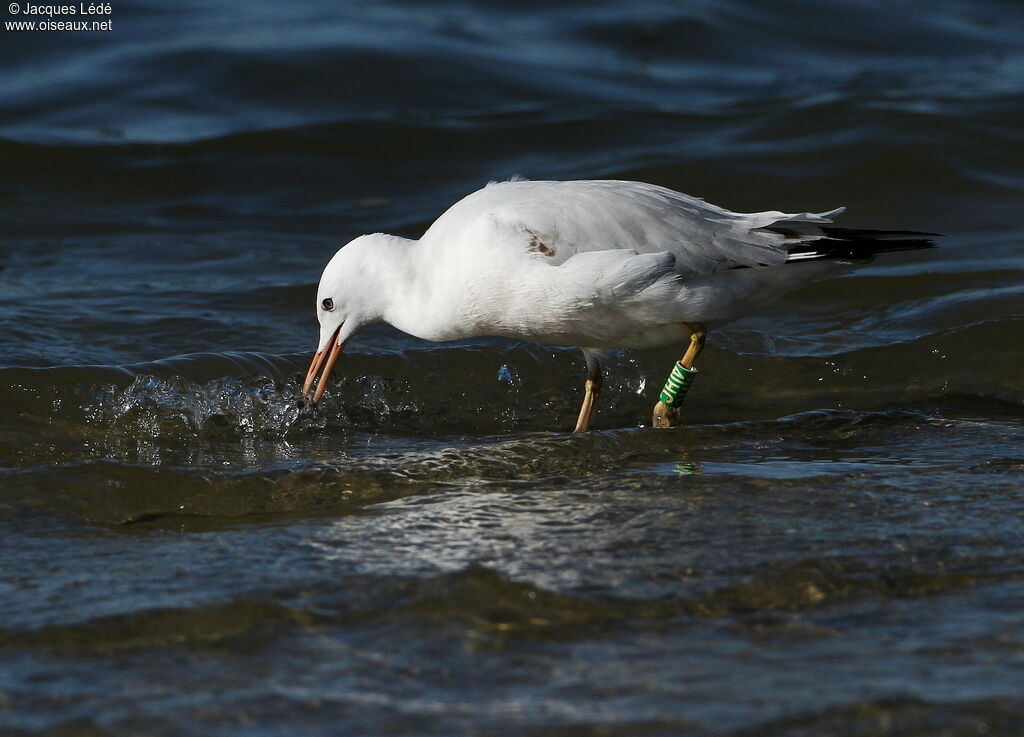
(165, 483)
(389, 60)
(493, 608)
(504, 387)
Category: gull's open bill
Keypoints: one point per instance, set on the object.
(599, 265)
(322, 359)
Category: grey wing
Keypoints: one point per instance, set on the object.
(562, 219)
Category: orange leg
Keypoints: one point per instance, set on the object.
(665, 416)
(590, 391)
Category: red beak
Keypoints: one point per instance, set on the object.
(323, 362)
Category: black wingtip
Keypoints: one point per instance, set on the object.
(855, 244)
(860, 234)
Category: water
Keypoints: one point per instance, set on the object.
(832, 545)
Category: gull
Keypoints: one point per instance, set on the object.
(600, 264)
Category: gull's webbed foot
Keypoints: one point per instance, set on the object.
(664, 416)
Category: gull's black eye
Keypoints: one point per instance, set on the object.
(328, 304)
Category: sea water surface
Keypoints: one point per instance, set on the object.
(832, 545)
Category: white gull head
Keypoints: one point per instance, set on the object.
(353, 293)
(348, 296)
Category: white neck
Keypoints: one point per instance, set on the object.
(438, 293)
(400, 281)
(425, 291)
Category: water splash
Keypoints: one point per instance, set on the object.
(178, 406)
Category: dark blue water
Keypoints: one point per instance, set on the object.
(832, 545)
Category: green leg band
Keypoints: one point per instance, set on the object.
(678, 383)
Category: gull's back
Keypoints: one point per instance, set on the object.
(567, 218)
